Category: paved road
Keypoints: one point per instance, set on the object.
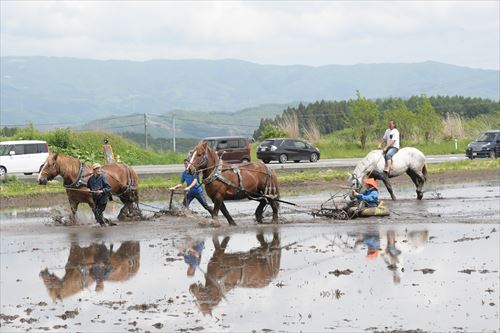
(321, 164)
(175, 169)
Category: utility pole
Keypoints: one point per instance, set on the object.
(146, 130)
(173, 130)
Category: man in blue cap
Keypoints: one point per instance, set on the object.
(193, 188)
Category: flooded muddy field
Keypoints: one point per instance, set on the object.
(280, 278)
(433, 265)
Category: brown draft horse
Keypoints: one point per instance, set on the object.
(225, 271)
(94, 263)
(122, 179)
(225, 181)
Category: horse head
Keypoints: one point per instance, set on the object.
(207, 297)
(49, 170)
(199, 156)
(354, 181)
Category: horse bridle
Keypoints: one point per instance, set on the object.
(203, 163)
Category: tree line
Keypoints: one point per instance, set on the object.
(419, 118)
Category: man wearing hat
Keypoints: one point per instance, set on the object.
(101, 190)
(368, 198)
(193, 188)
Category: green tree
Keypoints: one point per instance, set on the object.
(429, 122)
(406, 121)
(364, 118)
(272, 132)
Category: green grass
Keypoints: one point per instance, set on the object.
(13, 187)
(88, 146)
(466, 165)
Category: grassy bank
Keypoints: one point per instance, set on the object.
(13, 187)
(87, 146)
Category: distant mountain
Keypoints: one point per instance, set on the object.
(51, 90)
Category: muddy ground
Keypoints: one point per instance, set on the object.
(433, 265)
(449, 177)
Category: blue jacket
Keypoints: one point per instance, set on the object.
(370, 197)
(188, 178)
(99, 183)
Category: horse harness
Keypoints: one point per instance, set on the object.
(216, 174)
(80, 181)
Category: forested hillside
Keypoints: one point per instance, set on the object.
(419, 118)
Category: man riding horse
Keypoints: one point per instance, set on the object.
(390, 144)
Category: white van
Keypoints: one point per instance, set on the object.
(26, 156)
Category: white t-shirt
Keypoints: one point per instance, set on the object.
(392, 134)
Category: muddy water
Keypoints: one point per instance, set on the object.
(436, 277)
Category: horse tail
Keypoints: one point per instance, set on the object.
(424, 172)
(271, 188)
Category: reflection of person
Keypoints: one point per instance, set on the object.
(108, 152)
(101, 190)
(390, 145)
(193, 188)
(391, 256)
(367, 198)
(102, 266)
(372, 241)
(192, 257)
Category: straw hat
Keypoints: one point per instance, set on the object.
(96, 165)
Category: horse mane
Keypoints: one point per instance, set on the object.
(67, 165)
(365, 163)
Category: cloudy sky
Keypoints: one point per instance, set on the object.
(309, 33)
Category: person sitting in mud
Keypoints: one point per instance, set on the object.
(390, 145)
(192, 257)
(368, 198)
(193, 188)
(101, 191)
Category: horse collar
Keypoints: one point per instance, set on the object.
(78, 182)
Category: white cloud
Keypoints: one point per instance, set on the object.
(310, 33)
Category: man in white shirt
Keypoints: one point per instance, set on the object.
(390, 145)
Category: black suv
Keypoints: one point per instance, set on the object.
(233, 149)
(284, 150)
(487, 144)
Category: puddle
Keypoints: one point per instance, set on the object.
(286, 278)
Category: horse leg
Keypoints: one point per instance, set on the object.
(419, 180)
(74, 207)
(260, 209)
(215, 211)
(275, 207)
(385, 179)
(226, 214)
(261, 239)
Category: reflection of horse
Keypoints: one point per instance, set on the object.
(235, 182)
(94, 263)
(225, 271)
(407, 160)
(122, 178)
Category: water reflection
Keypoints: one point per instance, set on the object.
(390, 246)
(191, 252)
(95, 263)
(255, 268)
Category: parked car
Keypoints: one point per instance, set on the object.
(233, 149)
(284, 150)
(26, 156)
(487, 144)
